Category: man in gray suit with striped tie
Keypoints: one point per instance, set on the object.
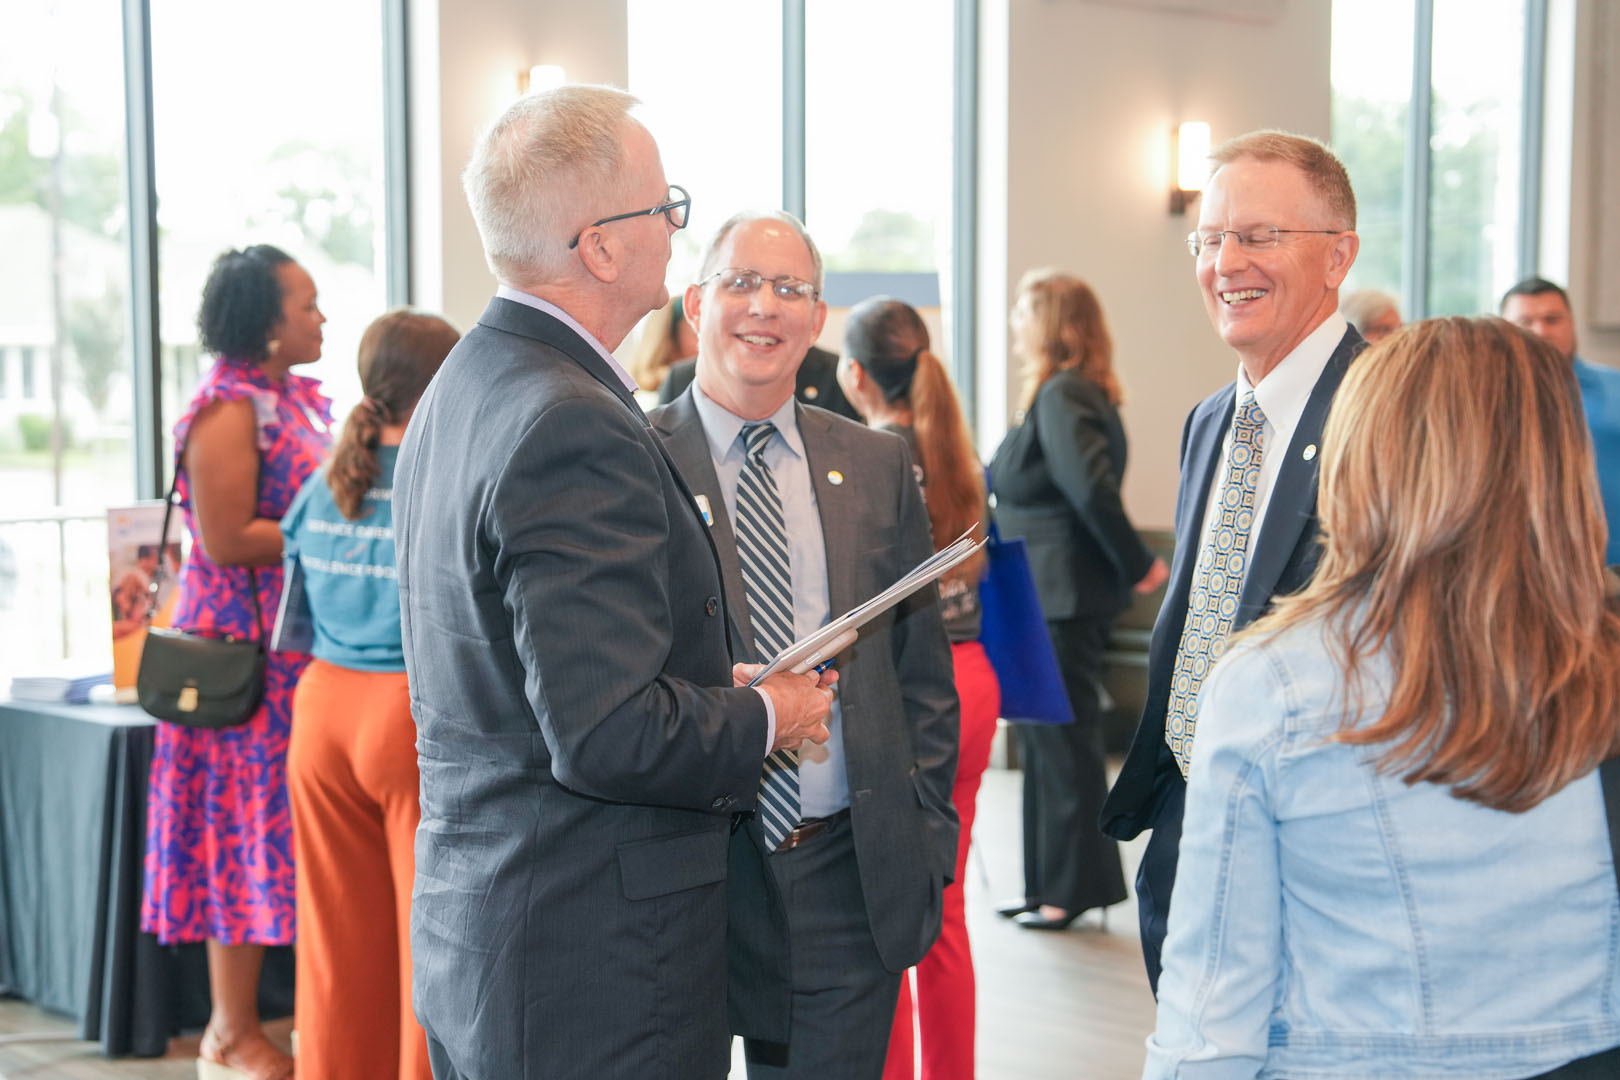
(835, 884)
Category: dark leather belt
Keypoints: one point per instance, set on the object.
(809, 829)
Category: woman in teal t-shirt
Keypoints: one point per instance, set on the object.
(351, 765)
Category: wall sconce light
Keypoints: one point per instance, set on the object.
(1192, 165)
(541, 77)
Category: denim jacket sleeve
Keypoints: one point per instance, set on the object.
(1223, 953)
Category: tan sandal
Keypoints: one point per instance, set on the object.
(213, 1058)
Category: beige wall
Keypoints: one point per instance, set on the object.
(465, 60)
(1092, 92)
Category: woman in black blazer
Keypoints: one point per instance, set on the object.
(1056, 477)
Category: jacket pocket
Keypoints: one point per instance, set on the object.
(671, 864)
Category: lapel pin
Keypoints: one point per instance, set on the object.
(811, 393)
(834, 477)
(703, 508)
(1310, 452)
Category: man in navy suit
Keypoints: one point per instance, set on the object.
(1275, 239)
(584, 752)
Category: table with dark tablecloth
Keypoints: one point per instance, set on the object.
(72, 844)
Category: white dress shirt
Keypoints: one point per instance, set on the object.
(1282, 396)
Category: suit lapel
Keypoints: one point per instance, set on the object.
(683, 438)
(1291, 513)
(827, 457)
(1204, 437)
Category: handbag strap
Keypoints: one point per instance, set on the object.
(992, 534)
(163, 546)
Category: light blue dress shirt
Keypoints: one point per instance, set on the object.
(1600, 398)
(823, 784)
(1331, 921)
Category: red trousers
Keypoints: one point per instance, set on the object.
(352, 777)
(945, 988)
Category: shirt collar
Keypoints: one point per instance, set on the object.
(1286, 389)
(506, 292)
(722, 426)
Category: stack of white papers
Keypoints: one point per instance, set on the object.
(831, 639)
(70, 682)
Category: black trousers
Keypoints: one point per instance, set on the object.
(1156, 873)
(1068, 862)
(1604, 1066)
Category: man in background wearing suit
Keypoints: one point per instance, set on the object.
(583, 748)
(1275, 239)
(816, 383)
(836, 883)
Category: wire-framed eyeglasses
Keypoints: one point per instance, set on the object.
(741, 281)
(1254, 239)
(677, 210)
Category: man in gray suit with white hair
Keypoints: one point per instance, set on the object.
(583, 747)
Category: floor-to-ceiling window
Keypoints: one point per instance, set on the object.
(265, 125)
(845, 112)
(1435, 113)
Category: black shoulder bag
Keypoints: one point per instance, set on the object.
(199, 681)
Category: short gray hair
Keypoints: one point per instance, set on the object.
(711, 254)
(536, 172)
(1361, 307)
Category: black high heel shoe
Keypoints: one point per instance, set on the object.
(1034, 920)
(1014, 908)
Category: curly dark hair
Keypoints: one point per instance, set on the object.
(241, 302)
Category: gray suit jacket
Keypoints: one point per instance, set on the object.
(563, 620)
(900, 711)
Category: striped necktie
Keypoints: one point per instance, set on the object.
(763, 552)
(1217, 581)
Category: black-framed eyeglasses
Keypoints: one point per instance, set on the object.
(1262, 236)
(677, 210)
(741, 281)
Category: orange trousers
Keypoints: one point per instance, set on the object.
(352, 777)
(944, 999)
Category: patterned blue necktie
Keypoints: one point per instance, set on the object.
(1217, 579)
(762, 549)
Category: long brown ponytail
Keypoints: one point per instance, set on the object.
(399, 354)
(890, 340)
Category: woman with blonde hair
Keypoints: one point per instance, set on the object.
(665, 338)
(891, 375)
(1057, 478)
(351, 766)
(1395, 860)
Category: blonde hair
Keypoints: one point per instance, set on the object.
(659, 345)
(1070, 334)
(1322, 168)
(1462, 536)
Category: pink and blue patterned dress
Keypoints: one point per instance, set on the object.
(219, 842)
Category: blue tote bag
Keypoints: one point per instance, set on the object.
(1014, 636)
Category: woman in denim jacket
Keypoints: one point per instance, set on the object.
(1396, 861)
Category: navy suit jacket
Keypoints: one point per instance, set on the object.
(1283, 558)
(563, 620)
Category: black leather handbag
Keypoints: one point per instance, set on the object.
(198, 681)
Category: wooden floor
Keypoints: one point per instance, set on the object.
(1052, 1006)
